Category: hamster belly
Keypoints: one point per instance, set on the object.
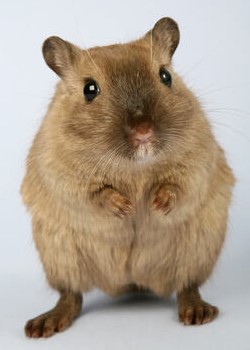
(107, 243)
(170, 253)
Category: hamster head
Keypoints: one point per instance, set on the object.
(123, 100)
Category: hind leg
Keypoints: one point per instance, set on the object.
(193, 310)
(57, 319)
(66, 272)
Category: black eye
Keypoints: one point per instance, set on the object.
(91, 90)
(165, 77)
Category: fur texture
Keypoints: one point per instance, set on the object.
(107, 213)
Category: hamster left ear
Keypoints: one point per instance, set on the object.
(165, 36)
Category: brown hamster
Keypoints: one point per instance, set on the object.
(126, 185)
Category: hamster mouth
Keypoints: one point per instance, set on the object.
(144, 151)
(141, 138)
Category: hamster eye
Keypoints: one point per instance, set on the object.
(91, 90)
(165, 77)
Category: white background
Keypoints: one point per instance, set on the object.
(213, 57)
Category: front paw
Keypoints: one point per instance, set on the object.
(165, 199)
(118, 204)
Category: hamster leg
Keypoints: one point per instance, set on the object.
(193, 310)
(165, 198)
(113, 201)
(57, 319)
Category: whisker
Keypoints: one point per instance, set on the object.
(87, 183)
(228, 111)
(106, 163)
(202, 59)
(223, 88)
(80, 35)
(93, 62)
(102, 164)
(151, 45)
(231, 128)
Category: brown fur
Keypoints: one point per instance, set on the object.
(105, 215)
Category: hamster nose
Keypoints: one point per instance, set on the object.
(142, 133)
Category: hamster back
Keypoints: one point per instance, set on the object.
(126, 184)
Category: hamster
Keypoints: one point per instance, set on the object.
(126, 185)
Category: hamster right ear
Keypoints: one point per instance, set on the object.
(60, 55)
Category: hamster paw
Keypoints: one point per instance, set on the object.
(112, 201)
(197, 313)
(118, 204)
(47, 324)
(164, 200)
(57, 319)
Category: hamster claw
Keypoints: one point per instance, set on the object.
(57, 319)
(193, 310)
(197, 314)
(119, 205)
(122, 211)
(164, 200)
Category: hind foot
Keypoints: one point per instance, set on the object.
(193, 310)
(57, 319)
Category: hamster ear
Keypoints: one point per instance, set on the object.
(165, 36)
(60, 55)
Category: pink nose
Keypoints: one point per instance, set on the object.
(143, 138)
(142, 134)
